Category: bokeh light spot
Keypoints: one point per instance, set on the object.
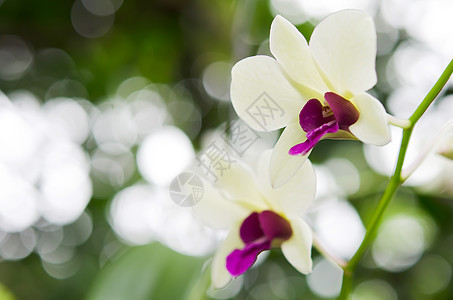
(432, 274)
(401, 241)
(17, 246)
(102, 7)
(326, 278)
(216, 80)
(164, 154)
(339, 228)
(15, 57)
(87, 24)
(374, 290)
(293, 10)
(70, 116)
(132, 211)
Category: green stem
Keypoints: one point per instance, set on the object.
(395, 181)
(346, 285)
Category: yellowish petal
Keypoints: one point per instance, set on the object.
(217, 211)
(283, 166)
(261, 94)
(291, 50)
(294, 197)
(344, 46)
(372, 126)
(297, 249)
(220, 276)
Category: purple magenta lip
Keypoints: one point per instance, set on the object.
(257, 232)
(318, 120)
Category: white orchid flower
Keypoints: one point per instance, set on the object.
(258, 218)
(316, 91)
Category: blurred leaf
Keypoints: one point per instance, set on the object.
(5, 293)
(147, 272)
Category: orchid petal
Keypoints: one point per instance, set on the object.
(220, 276)
(297, 249)
(339, 135)
(297, 195)
(313, 137)
(257, 232)
(243, 180)
(290, 49)
(216, 211)
(274, 225)
(344, 46)
(251, 229)
(261, 94)
(240, 260)
(372, 125)
(263, 171)
(294, 197)
(283, 166)
(310, 116)
(344, 111)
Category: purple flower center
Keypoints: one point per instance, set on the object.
(259, 232)
(318, 120)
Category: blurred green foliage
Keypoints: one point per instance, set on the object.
(148, 272)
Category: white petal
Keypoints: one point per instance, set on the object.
(263, 171)
(216, 211)
(283, 166)
(220, 276)
(240, 184)
(291, 50)
(261, 94)
(294, 197)
(344, 46)
(297, 249)
(372, 125)
(297, 195)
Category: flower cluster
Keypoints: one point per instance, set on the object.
(319, 89)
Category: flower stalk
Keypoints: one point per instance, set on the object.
(340, 262)
(402, 123)
(395, 181)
